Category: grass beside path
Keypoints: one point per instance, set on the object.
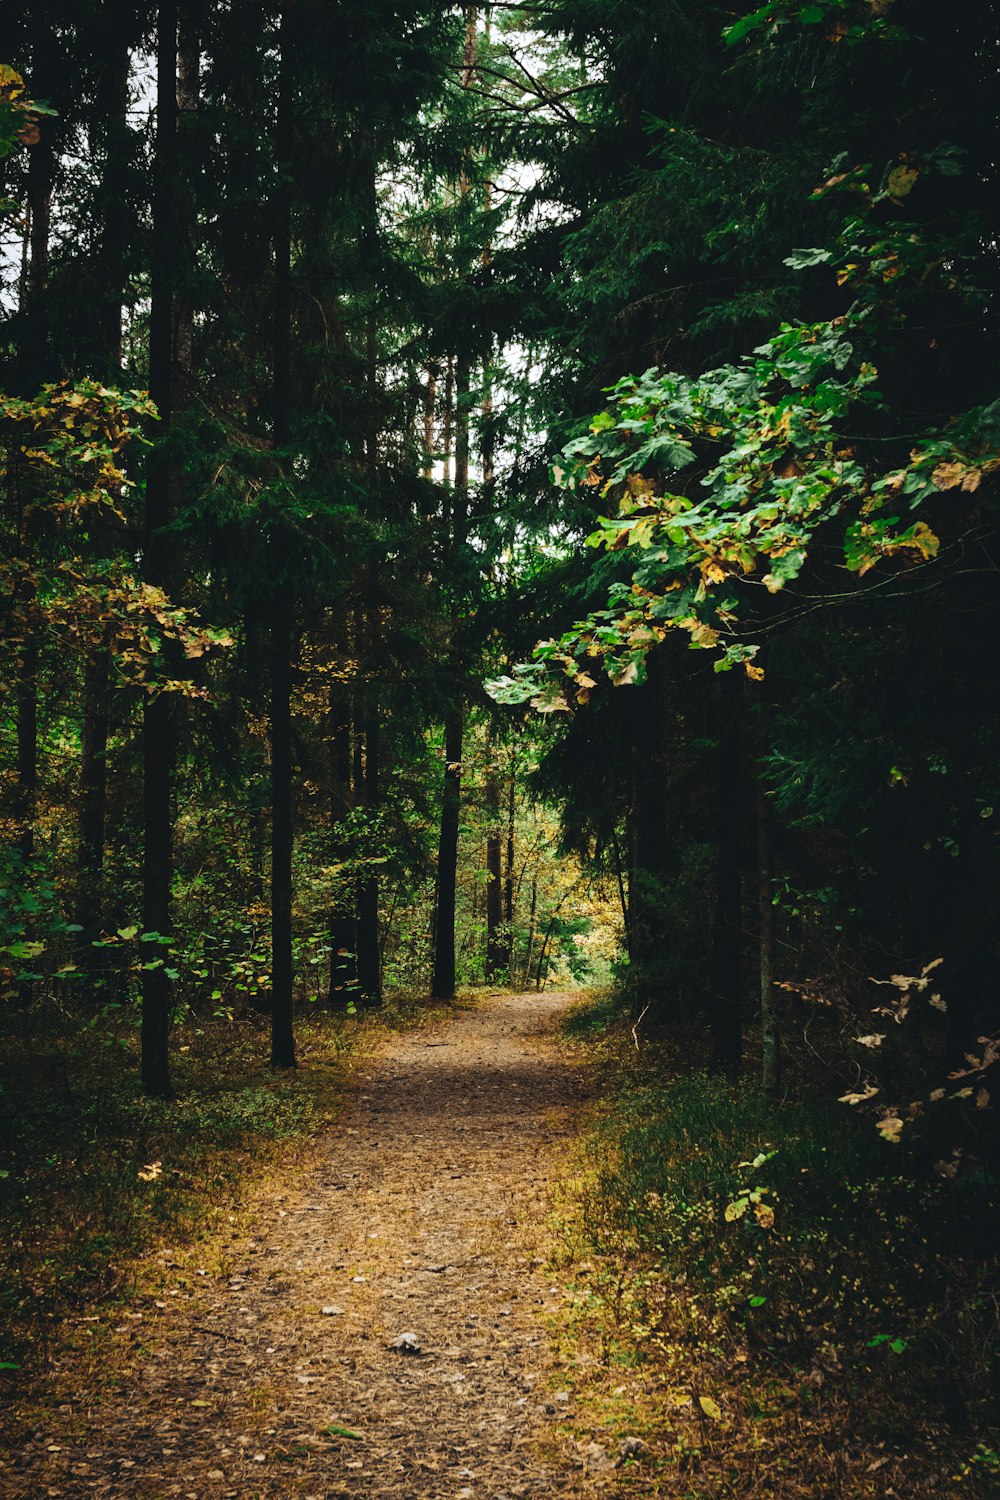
(774, 1300)
(95, 1176)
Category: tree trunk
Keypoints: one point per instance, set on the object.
(282, 978)
(26, 695)
(649, 850)
(532, 919)
(343, 932)
(282, 1034)
(622, 896)
(494, 880)
(508, 888)
(443, 987)
(117, 233)
(726, 982)
(93, 804)
(770, 1021)
(369, 956)
(33, 368)
(158, 727)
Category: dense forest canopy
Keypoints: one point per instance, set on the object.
(501, 494)
(377, 272)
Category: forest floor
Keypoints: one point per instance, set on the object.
(421, 1216)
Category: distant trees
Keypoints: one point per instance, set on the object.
(260, 809)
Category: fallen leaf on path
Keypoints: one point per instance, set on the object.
(406, 1343)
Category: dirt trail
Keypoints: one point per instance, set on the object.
(423, 1217)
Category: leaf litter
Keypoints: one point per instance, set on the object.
(286, 1377)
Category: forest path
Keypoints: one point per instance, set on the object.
(425, 1215)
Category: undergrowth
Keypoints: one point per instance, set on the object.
(94, 1174)
(810, 1302)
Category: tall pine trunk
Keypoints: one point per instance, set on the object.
(369, 954)
(282, 977)
(34, 368)
(508, 887)
(495, 954)
(726, 980)
(532, 921)
(158, 756)
(649, 844)
(343, 916)
(443, 987)
(770, 1022)
(93, 804)
(116, 234)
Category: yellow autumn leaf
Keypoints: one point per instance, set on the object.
(711, 1408)
(703, 635)
(764, 1214)
(924, 540)
(900, 181)
(947, 475)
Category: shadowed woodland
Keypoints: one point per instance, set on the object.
(500, 503)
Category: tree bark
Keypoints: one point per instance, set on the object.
(343, 931)
(158, 727)
(282, 977)
(648, 826)
(494, 880)
(443, 986)
(117, 232)
(508, 888)
(32, 368)
(770, 1021)
(93, 806)
(532, 919)
(726, 982)
(369, 956)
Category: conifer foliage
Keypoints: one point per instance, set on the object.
(635, 361)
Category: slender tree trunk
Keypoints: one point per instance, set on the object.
(188, 101)
(447, 438)
(726, 992)
(93, 805)
(454, 519)
(282, 978)
(369, 956)
(770, 1022)
(430, 405)
(116, 235)
(622, 897)
(26, 693)
(158, 726)
(532, 920)
(343, 931)
(443, 987)
(33, 363)
(649, 829)
(543, 967)
(508, 888)
(494, 880)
